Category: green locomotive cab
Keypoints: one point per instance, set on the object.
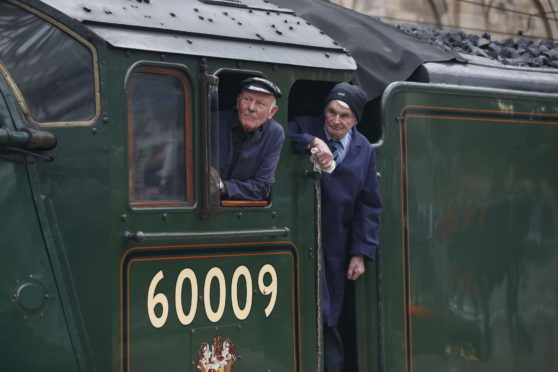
(119, 246)
(119, 253)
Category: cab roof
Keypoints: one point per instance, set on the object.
(237, 29)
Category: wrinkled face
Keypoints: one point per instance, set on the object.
(338, 119)
(254, 108)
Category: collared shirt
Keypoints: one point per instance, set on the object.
(345, 143)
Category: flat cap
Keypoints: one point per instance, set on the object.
(261, 85)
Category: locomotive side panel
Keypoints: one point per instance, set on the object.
(474, 263)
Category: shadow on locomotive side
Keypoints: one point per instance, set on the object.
(120, 256)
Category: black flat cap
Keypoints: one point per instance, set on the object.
(262, 85)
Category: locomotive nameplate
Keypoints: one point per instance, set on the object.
(177, 305)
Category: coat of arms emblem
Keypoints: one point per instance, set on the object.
(220, 357)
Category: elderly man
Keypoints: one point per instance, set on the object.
(351, 201)
(250, 142)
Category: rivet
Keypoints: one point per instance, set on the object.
(164, 216)
(105, 119)
(239, 215)
(327, 55)
(272, 26)
(274, 214)
(322, 33)
(88, 10)
(210, 19)
(290, 27)
(200, 17)
(163, 57)
(93, 131)
(278, 32)
(124, 218)
(189, 41)
(196, 10)
(173, 15)
(240, 23)
(225, 13)
(107, 11)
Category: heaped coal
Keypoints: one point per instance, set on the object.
(520, 52)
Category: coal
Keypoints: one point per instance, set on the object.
(519, 52)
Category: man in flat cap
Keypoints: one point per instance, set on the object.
(351, 203)
(250, 142)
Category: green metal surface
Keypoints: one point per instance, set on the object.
(31, 315)
(469, 231)
(239, 293)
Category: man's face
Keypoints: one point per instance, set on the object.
(254, 108)
(338, 119)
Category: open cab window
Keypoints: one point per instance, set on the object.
(222, 92)
(160, 138)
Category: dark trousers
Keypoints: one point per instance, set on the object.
(333, 350)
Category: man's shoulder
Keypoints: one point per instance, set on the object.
(274, 128)
(360, 139)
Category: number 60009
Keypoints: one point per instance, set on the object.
(154, 299)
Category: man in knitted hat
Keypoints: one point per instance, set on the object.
(250, 142)
(350, 204)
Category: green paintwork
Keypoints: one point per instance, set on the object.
(466, 279)
(469, 246)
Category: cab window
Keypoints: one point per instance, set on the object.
(160, 127)
(50, 66)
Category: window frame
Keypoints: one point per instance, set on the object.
(95, 64)
(189, 173)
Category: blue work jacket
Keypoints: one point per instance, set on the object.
(253, 173)
(351, 207)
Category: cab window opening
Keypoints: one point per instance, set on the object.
(307, 98)
(230, 86)
(160, 136)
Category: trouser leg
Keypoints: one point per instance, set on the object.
(333, 350)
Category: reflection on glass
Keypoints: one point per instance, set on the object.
(53, 71)
(157, 109)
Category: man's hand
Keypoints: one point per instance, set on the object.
(324, 156)
(356, 267)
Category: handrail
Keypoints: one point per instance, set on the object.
(139, 236)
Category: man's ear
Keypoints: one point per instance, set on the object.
(274, 109)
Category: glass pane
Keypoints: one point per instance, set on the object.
(157, 111)
(53, 71)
